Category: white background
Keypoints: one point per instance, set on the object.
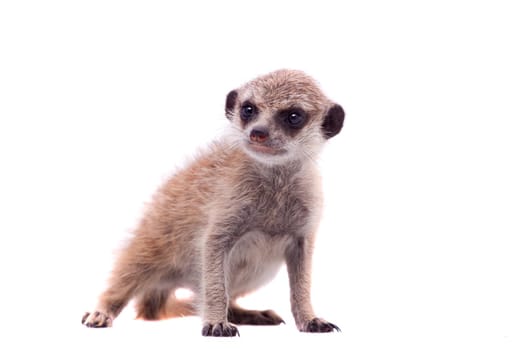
(421, 244)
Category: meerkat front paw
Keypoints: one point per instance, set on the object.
(96, 319)
(221, 329)
(318, 325)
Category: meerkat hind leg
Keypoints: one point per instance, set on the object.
(127, 281)
(152, 304)
(163, 304)
(238, 315)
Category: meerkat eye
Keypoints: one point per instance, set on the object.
(295, 119)
(248, 111)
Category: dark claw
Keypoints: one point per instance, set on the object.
(218, 331)
(86, 315)
(318, 325)
(206, 330)
(229, 332)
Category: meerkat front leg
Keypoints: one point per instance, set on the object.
(299, 265)
(215, 299)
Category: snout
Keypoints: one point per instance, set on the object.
(259, 135)
(262, 142)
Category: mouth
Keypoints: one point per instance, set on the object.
(257, 148)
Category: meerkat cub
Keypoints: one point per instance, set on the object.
(223, 226)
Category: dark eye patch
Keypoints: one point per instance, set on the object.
(248, 112)
(292, 119)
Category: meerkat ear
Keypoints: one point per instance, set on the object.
(333, 121)
(231, 99)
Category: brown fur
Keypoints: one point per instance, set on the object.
(224, 225)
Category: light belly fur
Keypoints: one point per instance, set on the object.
(254, 261)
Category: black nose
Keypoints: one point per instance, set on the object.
(259, 135)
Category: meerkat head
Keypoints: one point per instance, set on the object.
(282, 116)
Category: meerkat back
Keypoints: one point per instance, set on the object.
(224, 225)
